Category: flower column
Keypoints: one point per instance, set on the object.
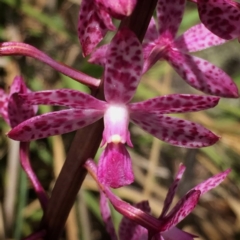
(73, 173)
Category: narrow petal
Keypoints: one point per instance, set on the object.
(99, 56)
(115, 166)
(117, 8)
(175, 233)
(169, 17)
(64, 97)
(4, 106)
(222, 17)
(175, 103)
(151, 34)
(172, 191)
(54, 123)
(91, 28)
(202, 75)
(106, 216)
(212, 182)
(18, 111)
(130, 230)
(175, 131)
(106, 19)
(123, 67)
(197, 38)
(181, 210)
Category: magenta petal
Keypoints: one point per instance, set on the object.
(202, 75)
(175, 233)
(212, 182)
(54, 123)
(106, 216)
(99, 56)
(172, 191)
(117, 8)
(4, 106)
(221, 17)
(152, 33)
(130, 230)
(197, 38)
(115, 166)
(123, 67)
(181, 210)
(169, 17)
(175, 131)
(64, 97)
(175, 103)
(91, 29)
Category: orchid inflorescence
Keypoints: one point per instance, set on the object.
(125, 59)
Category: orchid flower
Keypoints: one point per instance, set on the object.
(222, 17)
(163, 45)
(137, 222)
(14, 112)
(95, 20)
(121, 78)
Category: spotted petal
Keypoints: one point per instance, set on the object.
(115, 166)
(117, 8)
(175, 233)
(181, 210)
(91, 28)
(175, 103)
(175, 131)
(172, 191)
(197, 38)
(128, 229)
(169, 17)
(64, 97)
(99, 56)
(54, 123)
(152, 33)
(212, 182)
(123, 67)
(4, 105)
(106, 215)
(202, 75)
(222, 17)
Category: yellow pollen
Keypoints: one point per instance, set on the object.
(116, 138)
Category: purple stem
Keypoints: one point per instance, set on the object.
(18, 48)
(24, 159)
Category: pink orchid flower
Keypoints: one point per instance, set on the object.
(137, 222)
(95, 20)
(163, 45)
(121, 78)
(14, 112)
(222, 17)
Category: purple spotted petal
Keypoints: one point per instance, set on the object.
(106, 19)
(202, 75)
(197, 38)
(91, 28)
(181, 210)
(172, 191)
(175, 233)
(130, 230)
(175, 131)
(169, 17)
(222, 17)
(64, 97)
(175, 103)
(54, 123)
(99, 56)
(123, 67)
(106, 216)
(4, 106)
(152, 33)
(115, 166)
(18, 111)
(117, 8)
(212, 182)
